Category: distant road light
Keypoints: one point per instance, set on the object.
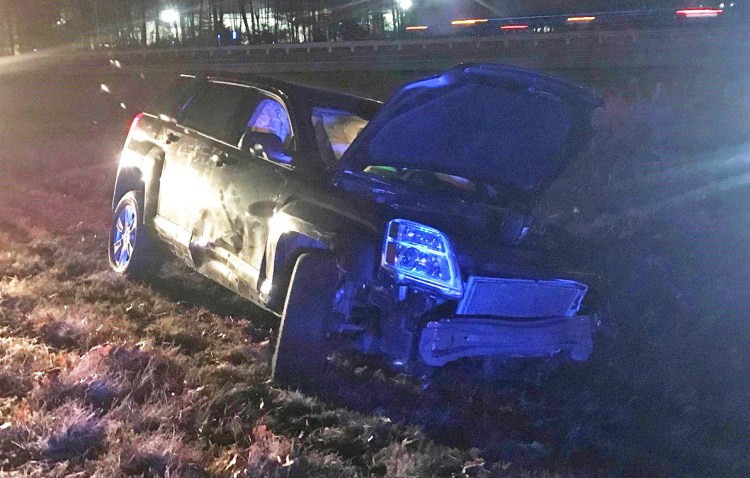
(416, 28)
(468, 21)
(169, 16)
(404, 4)
(514, 27)
(700, 12)
(581, 19)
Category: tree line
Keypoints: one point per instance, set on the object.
(30, 24)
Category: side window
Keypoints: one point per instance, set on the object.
(270, 116)
(220, 111)
(174, 100)
(268, 126)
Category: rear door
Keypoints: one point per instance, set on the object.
(232, 230)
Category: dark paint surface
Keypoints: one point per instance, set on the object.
(229, 210)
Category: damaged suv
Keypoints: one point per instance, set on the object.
(400, 229)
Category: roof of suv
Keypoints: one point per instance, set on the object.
(298, 91)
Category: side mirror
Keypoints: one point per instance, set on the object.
(255, 141)
(264, 145)
(257, 149)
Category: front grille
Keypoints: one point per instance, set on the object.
(521, 297)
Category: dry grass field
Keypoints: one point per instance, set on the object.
(103, 377)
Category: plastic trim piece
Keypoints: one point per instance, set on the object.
(451, 339)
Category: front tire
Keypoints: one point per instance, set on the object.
(130, 250)
(302, 344)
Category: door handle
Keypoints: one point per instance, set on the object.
(220, 159)
(172, 138)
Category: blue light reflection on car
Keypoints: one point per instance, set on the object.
(270, 117)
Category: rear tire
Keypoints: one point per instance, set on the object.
(131, 249)
(302, 344)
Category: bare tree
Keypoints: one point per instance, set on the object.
(9, 14)
(253, 18)
(243, 13)
(142, 20)
(157, 38)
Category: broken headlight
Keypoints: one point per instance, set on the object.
(421, 254)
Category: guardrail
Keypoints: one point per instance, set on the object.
(716, 48)
(536, 39)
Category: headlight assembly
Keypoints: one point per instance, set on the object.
(421, 254)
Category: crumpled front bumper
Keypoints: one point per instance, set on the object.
(451, 339)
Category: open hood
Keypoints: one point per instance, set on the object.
(500, 125)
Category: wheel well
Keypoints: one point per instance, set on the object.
(127, 180)
(288, 249)
(142, 178)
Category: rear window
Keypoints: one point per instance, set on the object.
(221, 111)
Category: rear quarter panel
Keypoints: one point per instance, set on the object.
(140, 164)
